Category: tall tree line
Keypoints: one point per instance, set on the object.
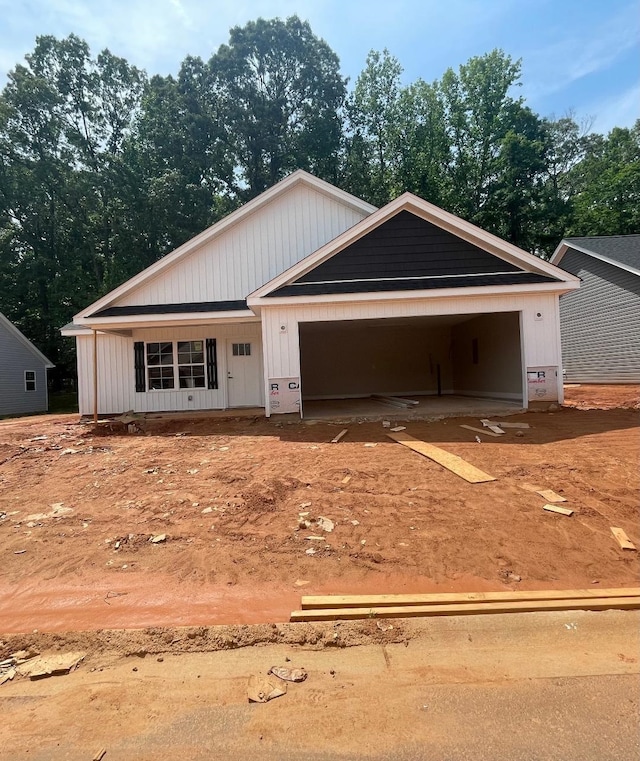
(103, 170)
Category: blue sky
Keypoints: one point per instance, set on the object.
(578, 55)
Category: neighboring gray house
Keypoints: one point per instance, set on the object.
(600, 322)
(23, 373)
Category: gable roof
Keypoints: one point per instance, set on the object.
(12, 330)
(514, 262)
(620, 250)
(299, 177)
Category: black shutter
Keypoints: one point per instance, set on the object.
(212, 364)
(138, 362)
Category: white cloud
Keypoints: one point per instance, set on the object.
(621, 110)
(579, 53)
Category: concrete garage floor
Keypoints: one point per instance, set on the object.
(449, 405)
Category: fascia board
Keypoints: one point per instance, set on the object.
(298, 177)
(438, 293)
(174, 320)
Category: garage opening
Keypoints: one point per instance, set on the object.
(471, 355)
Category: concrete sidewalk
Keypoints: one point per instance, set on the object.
(512, 687)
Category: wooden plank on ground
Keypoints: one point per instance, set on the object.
(556, 509)
(522, 606)
(492, 426)
(622, 539)
(346, 479)
(508, 425)
(453, 598)
(483, 431)
(450, 461)
(551, 496)
(337, 438)
(547, 494)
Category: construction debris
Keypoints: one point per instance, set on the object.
(507, 602)
(399, 428)
(556, 509)
(492, 426)
(325, 524)
(261, 689)
(622, 539)
(289, 675)
(50, 665)
(483, 431)
(501, 424)
(450, 461)
(337, 438)
(158, 538)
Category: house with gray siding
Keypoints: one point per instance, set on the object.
(23, 373)
(600, 322)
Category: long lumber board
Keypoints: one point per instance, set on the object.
(318, 602)
(414, 611)
(449, 461)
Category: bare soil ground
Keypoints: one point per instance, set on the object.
(79, 508)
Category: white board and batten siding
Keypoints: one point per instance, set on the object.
(116, 372)
(539, 325)
(247, 255)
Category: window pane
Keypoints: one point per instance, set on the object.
(30, 375)
(191, 376)
(247, 350)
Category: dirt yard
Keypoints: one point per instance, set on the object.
(80, 510)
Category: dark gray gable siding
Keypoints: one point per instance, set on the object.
(15, 358)
(407, 246)
(600, 322)
(408, 253)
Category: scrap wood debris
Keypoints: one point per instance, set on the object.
(449, 461)
(29, 663)
(556, 509)
(622, 538)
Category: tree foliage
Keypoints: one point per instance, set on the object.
(103, 170)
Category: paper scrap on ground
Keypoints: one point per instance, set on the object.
(261, 689)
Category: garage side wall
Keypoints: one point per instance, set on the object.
(540, 324)
(487, 358)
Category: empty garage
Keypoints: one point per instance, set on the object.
(466, 355)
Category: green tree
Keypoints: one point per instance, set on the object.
(478, 112)
(280, 93)
(372, 141)
(607, 185)
(64, 118)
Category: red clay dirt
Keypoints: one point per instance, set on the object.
(78, 510)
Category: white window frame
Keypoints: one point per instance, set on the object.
(31, 380)
(175, 365)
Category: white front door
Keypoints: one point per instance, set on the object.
(243, 372)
